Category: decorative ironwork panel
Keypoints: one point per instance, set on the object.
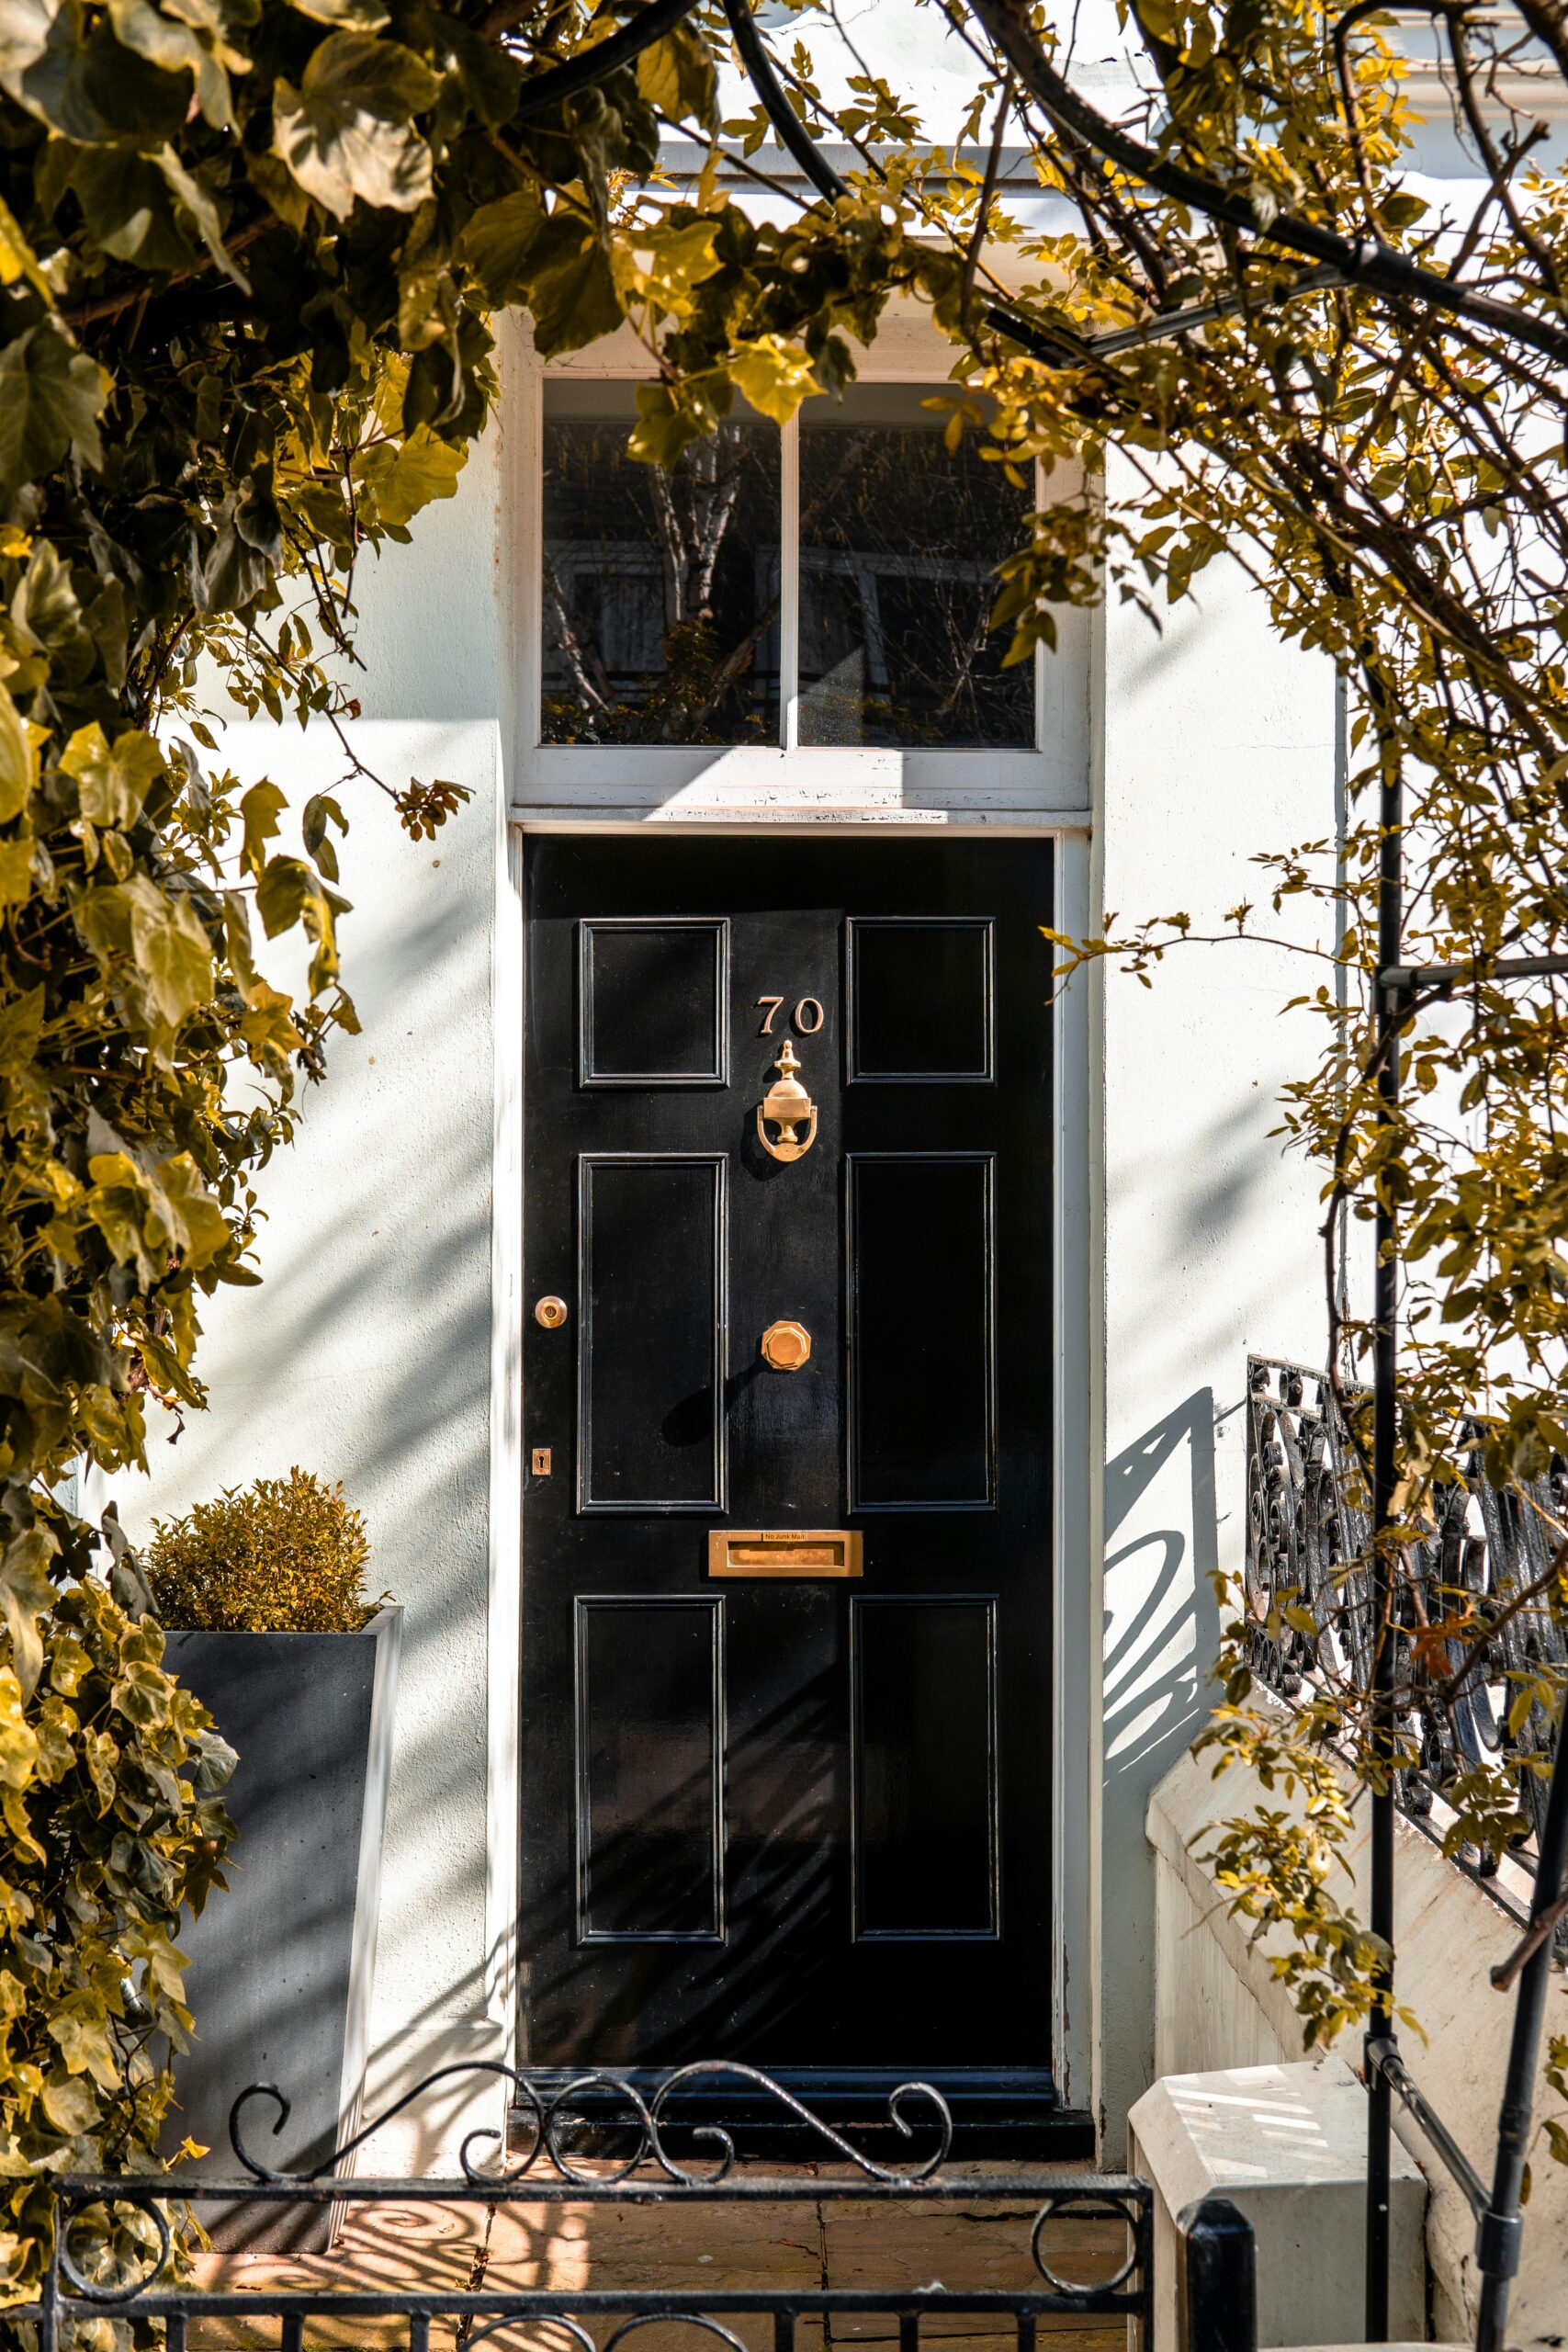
(129, 2272)
(1308, 1527)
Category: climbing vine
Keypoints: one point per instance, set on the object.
(249, 255)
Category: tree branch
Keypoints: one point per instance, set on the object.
(1361, 261)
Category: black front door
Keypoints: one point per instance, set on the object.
(787, 1715)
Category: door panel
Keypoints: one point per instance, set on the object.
(924, 1746)
(920, 1000)
(654, 1253)
(921, 1330)
(655, 1003)
(650, 1769)
(798, 1820)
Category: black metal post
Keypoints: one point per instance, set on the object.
(49, 2301)
(1216, 2287)
(1392, 1001)
(1497, 2239)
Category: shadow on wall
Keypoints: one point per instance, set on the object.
(365, 1354)
(1162, 1627)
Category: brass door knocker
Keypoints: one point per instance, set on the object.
(786, 1105)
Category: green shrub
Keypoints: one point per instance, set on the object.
(112, 1829)
(286, 1555)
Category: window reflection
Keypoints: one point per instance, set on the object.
(899, 541)
(660, 589)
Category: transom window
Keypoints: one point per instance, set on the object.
(831, 587)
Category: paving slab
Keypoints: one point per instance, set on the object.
(430, 2248)
(984, 2246)
(662, 2249)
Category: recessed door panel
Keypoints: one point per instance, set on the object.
(649, 1769)
(653, 1002)
(920, 1281)
(921, 992)
(923, 1736)
(651, 1285)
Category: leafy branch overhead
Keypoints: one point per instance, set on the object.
(250, 255)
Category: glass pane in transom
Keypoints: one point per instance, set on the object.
(660, 589)
(899, 541)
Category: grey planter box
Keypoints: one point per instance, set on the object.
(281, 1966)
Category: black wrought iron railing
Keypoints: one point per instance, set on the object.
(1327, 1607)
(1309, 1527)
(600, 2142)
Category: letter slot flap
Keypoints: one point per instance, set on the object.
(783, 1552)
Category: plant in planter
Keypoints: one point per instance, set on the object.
(287, 1556)
(262, 1591)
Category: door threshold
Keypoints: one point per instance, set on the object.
(997, 2112)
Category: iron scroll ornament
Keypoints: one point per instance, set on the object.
(643, 2116)
(550, 2120)
(141, 2213)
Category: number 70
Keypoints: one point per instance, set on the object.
(808, 1016)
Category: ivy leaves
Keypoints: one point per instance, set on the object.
(677, 79)
(572, 291)
(153, 952)
(111, 1820)
(18, 761)
(398, 479)
(51, 398)
(346, 134)
(497, 239)
(26, 1595)
(112, 784)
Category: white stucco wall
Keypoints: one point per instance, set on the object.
(1220, 2005)
(1215, 744)
(365, 1355)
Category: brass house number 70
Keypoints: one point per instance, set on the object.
(806, 1017)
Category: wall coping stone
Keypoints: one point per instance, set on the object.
(1448, 1932)
(1287, 2145)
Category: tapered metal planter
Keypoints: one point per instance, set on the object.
(282, 1964)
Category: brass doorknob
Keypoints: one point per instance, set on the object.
(787, 1346)
(550, 1312)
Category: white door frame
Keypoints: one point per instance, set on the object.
(699, 791)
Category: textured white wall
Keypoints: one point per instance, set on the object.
(1216, 743)
(365, 1355)
(1220, 2005)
